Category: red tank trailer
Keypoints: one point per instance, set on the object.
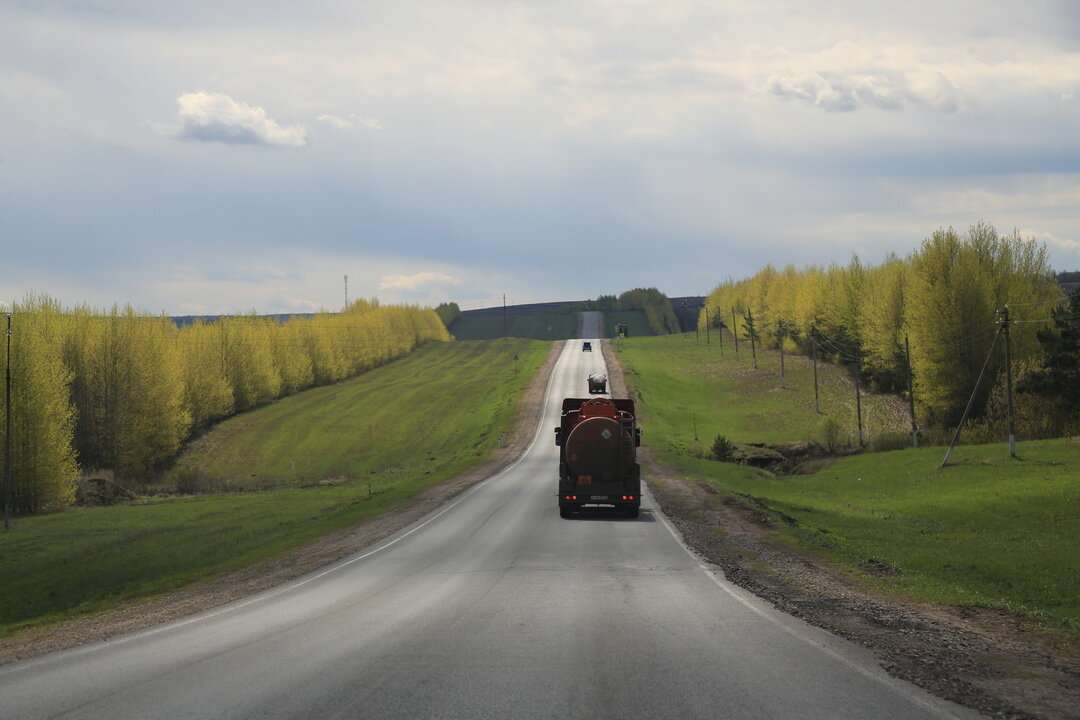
(598, 440)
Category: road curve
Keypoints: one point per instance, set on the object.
(491, 607)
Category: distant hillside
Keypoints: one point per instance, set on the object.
(540, 321)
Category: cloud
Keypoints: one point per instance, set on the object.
(416, 282)
(885, 90)
(216, 117)
(350, 121)
(1067, 244)
(645, 132)
(302, 305)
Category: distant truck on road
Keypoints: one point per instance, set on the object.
(598, 440)
(586, 346)
(597, 383)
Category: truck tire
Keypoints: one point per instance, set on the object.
(564, 512)
(632, 512)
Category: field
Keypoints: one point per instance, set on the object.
(693, 393)
(986, 530)
(320, 460)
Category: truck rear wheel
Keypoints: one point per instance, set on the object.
(564, 512)
(632, 511)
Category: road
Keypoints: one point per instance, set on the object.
(590, 324)
(491, 607)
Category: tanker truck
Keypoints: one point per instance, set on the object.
(597, 383)
(598, 440)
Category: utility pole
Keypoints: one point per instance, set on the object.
(780, 335)
(7, 431)
(504, 315)
(971, 400)
(753, 339)
(813, 344)
(911, 395)
(858, 394)
(720, 331)
(708, 344)
(346, 292)
(1008, 381)
(735, 331)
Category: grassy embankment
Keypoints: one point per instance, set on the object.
(321, 460)
(986, 530)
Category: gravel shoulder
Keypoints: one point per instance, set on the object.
(994, 662)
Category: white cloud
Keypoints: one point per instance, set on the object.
(1050, 195)
(1050, 239)
(883, 89)
(303, 305)
(417, 282)
(216, 117)
(350, 121)
(645, 132)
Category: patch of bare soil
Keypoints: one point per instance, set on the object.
(992, 661)
(251, 580)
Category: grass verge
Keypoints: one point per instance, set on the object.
(334, 456)
(985, 531)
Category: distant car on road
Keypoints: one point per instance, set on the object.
(586, 347)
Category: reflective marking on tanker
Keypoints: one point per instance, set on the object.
(606, 434)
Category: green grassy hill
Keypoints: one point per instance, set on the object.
(986, 530)
(278, 477)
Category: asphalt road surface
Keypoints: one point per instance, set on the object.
(491, 607)
(589, 324)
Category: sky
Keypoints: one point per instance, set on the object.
(211, 157)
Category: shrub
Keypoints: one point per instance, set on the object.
(723, 449)
(894, 440)
(830, 434)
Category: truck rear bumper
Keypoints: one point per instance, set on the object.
(573, 502)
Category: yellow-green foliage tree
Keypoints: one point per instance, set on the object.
(122, 391)
(291, 358)
(207, 393)
(44, 470)
(957, 284)
(128, 389)
(943, 295)
(448, 313)
(657, 308)
(246, 355)
(883, 308)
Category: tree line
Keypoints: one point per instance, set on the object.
(936, 314)
(655, 305)
(122, 391)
